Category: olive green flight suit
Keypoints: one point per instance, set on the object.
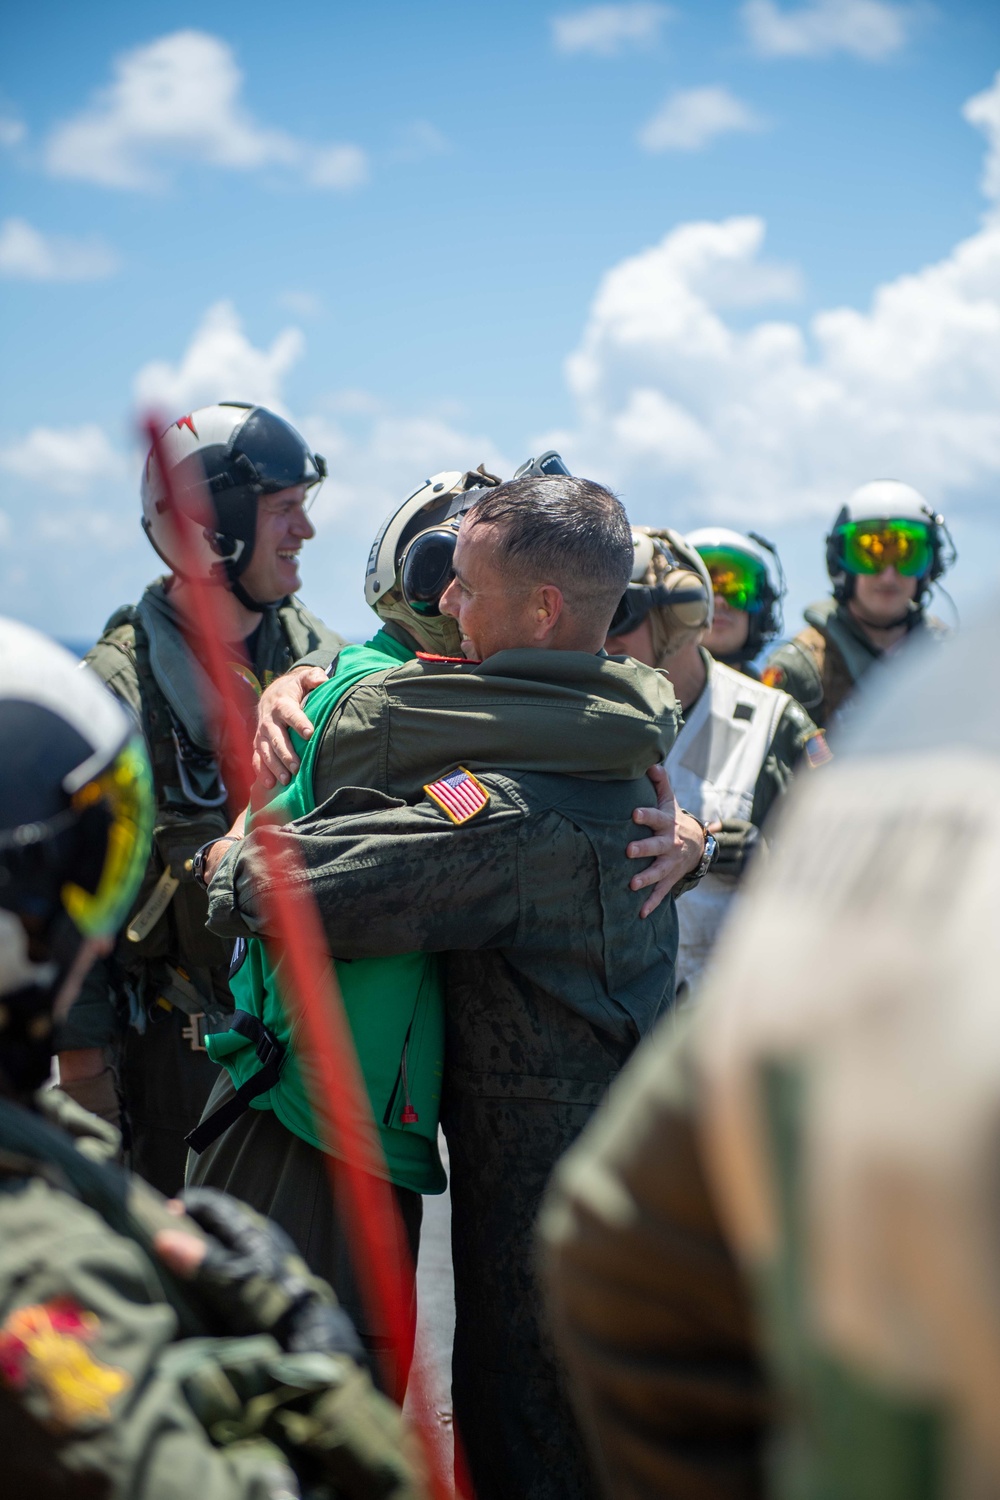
(115, 1380)
(140, 1004)
(551, 977)
(824, 663)
(772, 1258)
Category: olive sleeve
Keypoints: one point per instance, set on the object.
(117, 670)
(793, 669)
(387, 877)
(100, 1396)
(323, 657)
(88, 1399)
(650, 1310)
(783, 758)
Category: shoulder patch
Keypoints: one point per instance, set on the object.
(773, 677)
(818, 752)
(459, 795)
(43, 1348)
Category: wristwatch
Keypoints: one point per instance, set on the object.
(701, 869)
(196, 863)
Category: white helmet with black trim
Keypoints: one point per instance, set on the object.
(749, 564)
(409, 565)
(231, 453)
(886, 501)
(76, 819)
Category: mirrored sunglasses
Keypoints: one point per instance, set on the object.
(873, 546)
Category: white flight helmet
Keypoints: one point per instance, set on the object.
(765, 618)
(889, 500)
(232, 453)
(885, 499)
(409, 565)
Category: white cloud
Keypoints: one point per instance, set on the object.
(337, 167)
(983, 111)
(766, 422)
(302, 304)
(12, 130)
(219, 364)
(606, 30)
(869, 29)
(68, 459)
(420, 140)
(29, 255)
(690, 118)
(180, 98)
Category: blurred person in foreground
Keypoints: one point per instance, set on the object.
(774, 1259)
(144, 1011)
(740, 743)
(147, 1349)
(748, 584)
(492, 832)
(885, 551)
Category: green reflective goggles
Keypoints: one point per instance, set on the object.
(738, 579)
(873, 546)
(123, 795)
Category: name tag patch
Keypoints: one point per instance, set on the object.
(459, 795)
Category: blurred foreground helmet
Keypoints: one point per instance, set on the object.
(746, 572)
(230, 454)
(76, 818)
(888, 524)
(410, 563)
(670, 585)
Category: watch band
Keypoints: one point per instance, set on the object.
(197, 860)
(701, 869)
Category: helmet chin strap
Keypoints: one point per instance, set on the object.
(239, 592)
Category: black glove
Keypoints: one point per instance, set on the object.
(253, 1275)
(737, 840)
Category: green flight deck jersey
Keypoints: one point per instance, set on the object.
(394, 1005)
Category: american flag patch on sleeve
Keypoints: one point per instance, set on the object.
(818, 752)
(458, 794)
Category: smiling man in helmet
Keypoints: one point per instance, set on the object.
(740, 741)
(143, 1013)
(885, 551)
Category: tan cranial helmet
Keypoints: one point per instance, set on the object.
(670, 585)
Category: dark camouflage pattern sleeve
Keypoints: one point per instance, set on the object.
(651, 1311)
(387, 877)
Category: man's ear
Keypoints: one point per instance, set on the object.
(547, 608)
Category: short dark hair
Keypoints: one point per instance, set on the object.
(563, 530)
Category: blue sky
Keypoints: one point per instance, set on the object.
(733, 258)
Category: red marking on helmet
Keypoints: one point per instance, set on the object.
(188, 423)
